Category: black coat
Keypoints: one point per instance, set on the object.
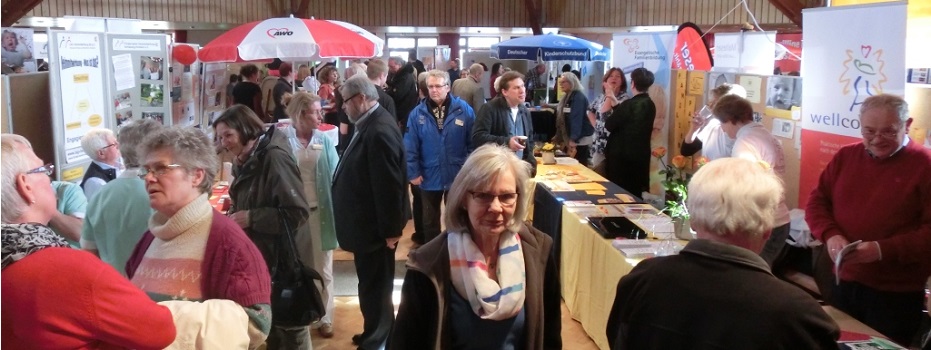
(369, 186)
(403, 89)
(491, 126)
(628, 150)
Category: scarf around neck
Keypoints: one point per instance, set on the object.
(490, 299)
(21, 240)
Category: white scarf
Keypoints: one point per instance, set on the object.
(469, 274)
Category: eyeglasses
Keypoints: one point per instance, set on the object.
(436, 87)
(350, 99)
(110, 145)
(886, 134)
(47, 169)
(158, 171)
(506, 199)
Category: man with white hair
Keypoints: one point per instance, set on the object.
(103, 149)
(691, 300)
(469, 90)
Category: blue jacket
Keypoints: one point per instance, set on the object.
(435, 154)
(577, 124)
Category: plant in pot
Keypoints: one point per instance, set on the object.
(678, 173)
(549, 153)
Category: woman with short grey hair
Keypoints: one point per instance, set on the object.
(574, 131)
(186, 234)
(487, 253)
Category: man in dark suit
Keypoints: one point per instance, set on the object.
(368, 200)
(505, 121)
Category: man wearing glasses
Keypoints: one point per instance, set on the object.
(369, 195)
(101, 146)
(438, 142)
(878, 193)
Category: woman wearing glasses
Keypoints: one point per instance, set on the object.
(193, 259)
(266, 194)
(490, 272)
(56, 296)
(316, 159)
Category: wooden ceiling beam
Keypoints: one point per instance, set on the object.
(13, 10)
(534, 12)
(792, 9)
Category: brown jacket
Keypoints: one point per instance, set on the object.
(423, 313)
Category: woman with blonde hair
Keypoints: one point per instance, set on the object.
(316, 158)
(487, 282)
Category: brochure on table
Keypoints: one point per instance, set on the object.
(100, 80)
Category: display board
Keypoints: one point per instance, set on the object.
(138, 77)
(18, 49)
(215, 81)
(186, 103)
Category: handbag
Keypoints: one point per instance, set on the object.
(296, 299)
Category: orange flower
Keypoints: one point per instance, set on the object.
(659, 152)
(679, 161)
(700, 162)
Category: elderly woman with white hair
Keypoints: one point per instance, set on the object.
(691, 300)
(101, 146)
(574, 131)
(487, 282)
(220, 291)
(56, 296)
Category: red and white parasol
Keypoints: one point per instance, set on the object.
(292, 39)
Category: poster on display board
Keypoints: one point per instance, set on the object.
(652, 51)
(186, 104)
(745, 52)
(215, 81)
(846, 67)
(18, 49)
(78, 83)
(138, 77)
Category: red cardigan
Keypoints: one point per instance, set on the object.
(65, 298)
(232, 268)
(884, 200)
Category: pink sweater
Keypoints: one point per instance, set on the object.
(883, 200)
(64, 298)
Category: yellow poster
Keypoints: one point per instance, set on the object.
(696, 83)
(752, 84)
(680, 82)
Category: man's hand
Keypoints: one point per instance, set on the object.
(392, 243)
(865, 252)
(417, 181)
(514, 144)
(834, 245)
(241, 218)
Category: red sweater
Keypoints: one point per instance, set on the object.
(64, 298)
(883, 200)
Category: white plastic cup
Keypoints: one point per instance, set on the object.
(705, 112)
(227, 172)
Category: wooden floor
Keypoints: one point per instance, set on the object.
(348, 319)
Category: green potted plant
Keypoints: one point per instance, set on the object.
(678, 173)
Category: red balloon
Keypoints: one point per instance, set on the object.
(184, 54)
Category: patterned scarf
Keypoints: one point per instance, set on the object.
(489, 299)
(20, 240)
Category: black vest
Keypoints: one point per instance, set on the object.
(95, 170)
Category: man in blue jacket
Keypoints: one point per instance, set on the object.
(439, 130)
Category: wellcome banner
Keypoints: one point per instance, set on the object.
(842, 68)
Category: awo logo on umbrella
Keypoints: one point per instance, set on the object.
(276, 32)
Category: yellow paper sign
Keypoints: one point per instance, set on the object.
(696, 83)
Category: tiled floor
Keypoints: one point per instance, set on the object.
(348, 318)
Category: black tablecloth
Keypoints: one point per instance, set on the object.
(547, 209)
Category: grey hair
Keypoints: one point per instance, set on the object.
(14, 163)
(94, 140)
(189, 147)
(436, 73)
(359, 84)
(129, 137)
(574, 80)
(355, 69)
(734, 196)
(397, 60)
(892, 103)
(479, 173)
(476, 69)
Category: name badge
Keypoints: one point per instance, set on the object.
(567, 110)
(421, 120)
(316, 146)
(460, 122)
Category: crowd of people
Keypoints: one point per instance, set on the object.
(416, 142)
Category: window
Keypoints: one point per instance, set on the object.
(482, 42)
(426, 42)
